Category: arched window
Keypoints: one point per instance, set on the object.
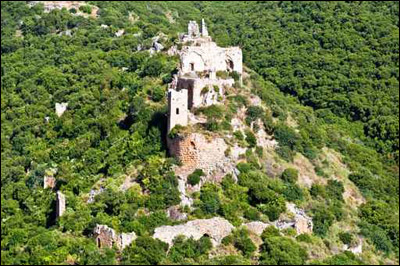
(229, 65)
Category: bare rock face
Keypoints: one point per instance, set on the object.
(216, 228)
(107, 237)
(60, 204)
(256, 227)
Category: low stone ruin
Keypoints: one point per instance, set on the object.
(175, 214)
(215, 228)
(49, 181)
(107, 237)
(61, 108)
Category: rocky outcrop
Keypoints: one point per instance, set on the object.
(215, 228)
(301, 222)
(107, 237)
(256, 227)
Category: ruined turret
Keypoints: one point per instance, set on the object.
(204, 31)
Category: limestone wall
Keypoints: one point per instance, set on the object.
(207, 56)
(195, 151)
(216, 228)
(107, 237)
(177, 108)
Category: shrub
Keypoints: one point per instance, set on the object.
(293, 192)
(270, 231)
(175, 131)
(335, 189)
(304, 238)
(251, 139)
(210, 199)
(282, 251)
(252, 214)
(241, 240)
(322, 219)
(86, 9)
(194, 178)
(189, 248)
(346, 238)
(145, 250)
(290, 175)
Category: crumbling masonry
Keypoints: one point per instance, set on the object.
(196, 83)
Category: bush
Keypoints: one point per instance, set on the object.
(251, 139)
(322, 219)
(282, 251)
(86, 9)
(145, 250)
(304, 238)
(290, 175)
(241, 240)
(293, 192)
(346, 238)
(209, 197)
(183, 248)
(270, 231)
(252, 214)
(334, 190)
(194, 178)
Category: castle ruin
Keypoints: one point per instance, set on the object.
(197, 82)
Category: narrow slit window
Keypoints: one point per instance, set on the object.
(191, 66)
(177, 111)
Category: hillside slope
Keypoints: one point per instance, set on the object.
(321, 82)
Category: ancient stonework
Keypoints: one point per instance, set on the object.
(196, 83)
(60, 204)
(195, 151)
(107, 237)
(215, 228)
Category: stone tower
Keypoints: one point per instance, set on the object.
(177, 108)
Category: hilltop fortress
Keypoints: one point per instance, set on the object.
(206, 71)
(197, 82)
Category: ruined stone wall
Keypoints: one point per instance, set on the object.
(106, 237)
(195, 87)
(208, 56)
(216, 228)
(195, 151)
(177, 108)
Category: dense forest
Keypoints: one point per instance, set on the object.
(331, 66)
